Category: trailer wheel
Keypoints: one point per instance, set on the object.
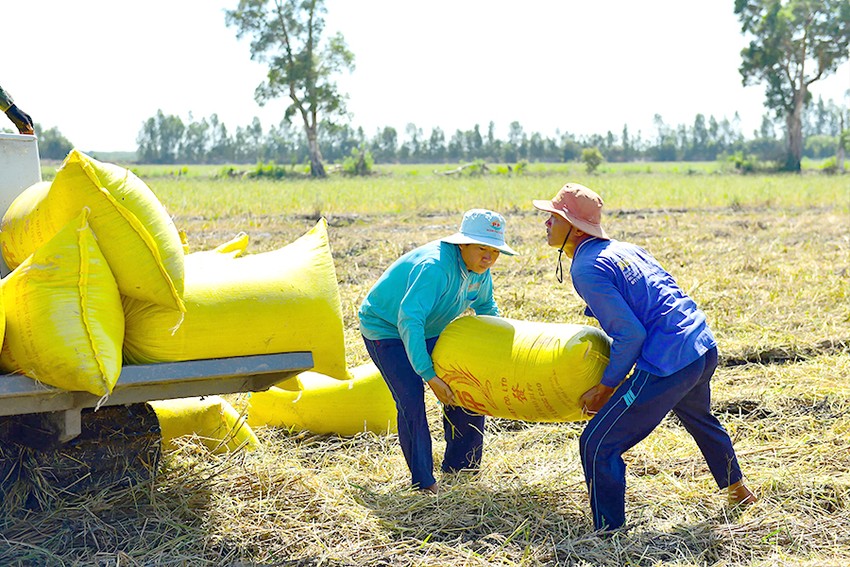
(118, 446)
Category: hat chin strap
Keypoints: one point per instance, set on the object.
(559, 269)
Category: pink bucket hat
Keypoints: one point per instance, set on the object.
(579, 206)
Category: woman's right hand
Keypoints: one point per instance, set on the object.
(442, 391)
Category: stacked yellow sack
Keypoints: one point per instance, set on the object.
(135, 233)
(520, 369)
(2, 316)
(64, 323)
(211, 418)
(285, 300)
(320, 404)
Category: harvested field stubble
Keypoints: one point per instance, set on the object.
(774, 283)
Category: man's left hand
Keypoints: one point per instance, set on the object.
(593, 400)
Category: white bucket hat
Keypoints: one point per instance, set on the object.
(480, 226)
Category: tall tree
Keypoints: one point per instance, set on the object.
(51, 143)
(699, 141)
(385, 145)
(286, 35)
(221, 144)
(195, 141)
(160, 138)
(796, 42)
(437, 144)
(414, 142)
(627, 148)
(473, 142)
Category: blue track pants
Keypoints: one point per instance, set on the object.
(463, 430)
(635, 409)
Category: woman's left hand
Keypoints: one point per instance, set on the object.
(442, 391)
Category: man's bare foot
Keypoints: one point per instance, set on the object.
(740, 495)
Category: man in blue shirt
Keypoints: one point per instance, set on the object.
(401, 319)
(658, 334)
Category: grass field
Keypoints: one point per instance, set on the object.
(767, 258)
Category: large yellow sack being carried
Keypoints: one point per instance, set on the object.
(64, 323)
(211, 418)
(135, 233)
(320, 404)
(285, 300)
(520, 369)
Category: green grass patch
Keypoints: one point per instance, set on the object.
(405, 194)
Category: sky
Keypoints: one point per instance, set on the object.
(98, 69)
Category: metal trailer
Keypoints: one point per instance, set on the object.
(75, 439)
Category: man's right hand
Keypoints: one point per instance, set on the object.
(442, 391)
(20, 119)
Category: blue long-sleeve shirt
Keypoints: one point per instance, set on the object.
(419, 295)
(653, 324)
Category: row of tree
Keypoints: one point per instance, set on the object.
(167, 139)
(793, 43)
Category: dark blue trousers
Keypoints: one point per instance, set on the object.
(463, 430)
(635, 409)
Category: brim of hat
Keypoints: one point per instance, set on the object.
(460, 238)
(591, 229)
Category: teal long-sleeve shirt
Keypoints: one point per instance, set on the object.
(419, 295)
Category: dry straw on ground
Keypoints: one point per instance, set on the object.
(774, 284)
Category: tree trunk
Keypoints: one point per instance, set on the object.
(317, 169)
(794, 126)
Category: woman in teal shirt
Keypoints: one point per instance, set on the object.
(401, 319)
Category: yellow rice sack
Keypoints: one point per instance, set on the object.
(64, 323)
(16, 244)
(285, 300)
(135, 233)
(313, 402)
(520, 369)
(211, 418)
(2, 316)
